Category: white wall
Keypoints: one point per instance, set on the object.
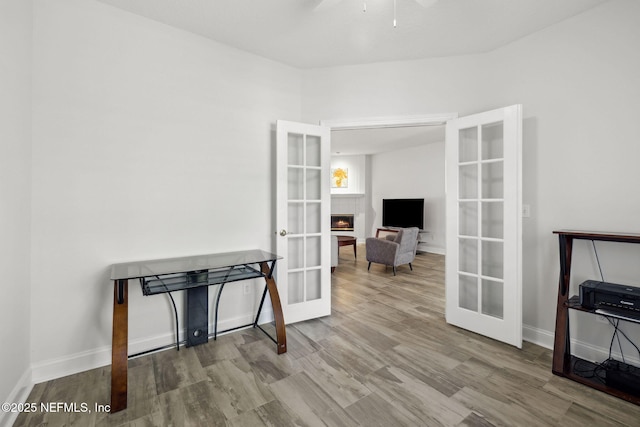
(579, 85)
(15, 155)
(412, 173)
(119, 100)
(428, 86)
(148, 142)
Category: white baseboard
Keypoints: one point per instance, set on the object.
(95, 358)
(594, 354)
(580, 349)
(432, 249)
(19, 394)
(537, 336)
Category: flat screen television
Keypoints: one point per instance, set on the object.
(403, 213)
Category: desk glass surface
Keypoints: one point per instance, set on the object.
(139, 269)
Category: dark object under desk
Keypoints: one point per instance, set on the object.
(564, 363)
(193, 274)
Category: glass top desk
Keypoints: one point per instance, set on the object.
(193, 274)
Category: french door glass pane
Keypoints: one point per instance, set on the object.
(313, 184)
(468, 218)
(492, 259)
(468, 256)
(468, 146)
(492, 298)
(313, 218)
(493, 219)
(295, 287)
(295, 149)
(295, 218)
(313, 285)
(468, 292)
(313, 150)
(295, 182)
(296, 252)
(313, 251)
(468, 182)
(493, 180)
(492, 141)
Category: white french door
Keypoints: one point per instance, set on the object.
(304, 220)
(484, 224)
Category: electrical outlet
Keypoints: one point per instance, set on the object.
(247, 288)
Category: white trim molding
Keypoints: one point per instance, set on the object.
(96, 358)
(389, 122)
(19, 394)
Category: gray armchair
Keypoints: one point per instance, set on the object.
(395, 250)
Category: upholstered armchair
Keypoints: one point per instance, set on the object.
(395, 250)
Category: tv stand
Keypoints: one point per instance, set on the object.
(564, 363)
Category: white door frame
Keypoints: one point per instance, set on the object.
(389, 122)
(438, 119)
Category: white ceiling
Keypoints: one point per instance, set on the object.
(324, 33)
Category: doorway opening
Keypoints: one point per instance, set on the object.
(402, 157)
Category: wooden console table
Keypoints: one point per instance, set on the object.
(563, 362)
(193, 274)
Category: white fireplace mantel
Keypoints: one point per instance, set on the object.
(342, 195)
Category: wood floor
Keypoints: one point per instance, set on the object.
(385, 357)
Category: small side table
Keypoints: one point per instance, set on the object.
(348, 241)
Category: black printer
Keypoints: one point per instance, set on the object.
(594, 295)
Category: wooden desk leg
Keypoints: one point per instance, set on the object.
(119, 346)
(281, 335)
(561, 346)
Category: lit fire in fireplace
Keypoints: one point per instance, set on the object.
(342, 222)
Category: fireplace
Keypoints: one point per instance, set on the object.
(341, 222)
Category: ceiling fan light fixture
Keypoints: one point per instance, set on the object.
(395, 22)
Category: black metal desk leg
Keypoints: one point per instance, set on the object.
(264, 295)
(215, 322)
(197, 316)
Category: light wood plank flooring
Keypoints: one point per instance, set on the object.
(385, 357)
